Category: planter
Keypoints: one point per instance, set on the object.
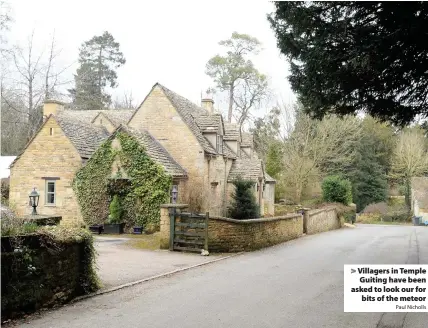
(114, 228)
(97, 228)
(138, 230)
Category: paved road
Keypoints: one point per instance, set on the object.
(296, 284)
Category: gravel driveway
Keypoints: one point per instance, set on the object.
(120, 264)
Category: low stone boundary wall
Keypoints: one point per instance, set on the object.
(38, 271)
(229, 235)
(320, 220)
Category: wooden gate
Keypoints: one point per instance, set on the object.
(189, 232)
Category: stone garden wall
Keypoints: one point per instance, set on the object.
(229, 235)
(38, 272)
(321, 220)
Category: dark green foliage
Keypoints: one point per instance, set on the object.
(266, 131)
(98, 58)
(150, 185)
(368, 174)
(146, 188)
(352, 56)
(337, 189)
(244, 205)
(370, 183)
(90, 185)
(274, 159)
(46, 269)
(115, 210)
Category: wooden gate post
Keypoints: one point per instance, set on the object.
(207, 216)
(172, 213)
(167, 225)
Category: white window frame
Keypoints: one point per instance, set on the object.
(49, 192)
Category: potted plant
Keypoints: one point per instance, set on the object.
(115, 224)
(138, 230)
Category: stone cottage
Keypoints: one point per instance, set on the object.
(419, 196)
(201, 152)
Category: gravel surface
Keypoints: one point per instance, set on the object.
(296, 284)
(119, 264)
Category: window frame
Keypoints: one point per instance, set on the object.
(47, 192)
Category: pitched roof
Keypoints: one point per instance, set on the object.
(247, 169)
(189, 112)
(231, 131)
(420, 191)
(117, 116)
(247, 139)
(208, 122)
(269, 179)
(156, 151)
(85, 136)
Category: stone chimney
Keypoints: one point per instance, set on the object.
(51, 107)
(208, 104)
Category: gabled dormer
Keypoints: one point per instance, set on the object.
(232, 137)
(247, 144)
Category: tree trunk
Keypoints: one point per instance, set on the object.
(99, 78)
(229, 114)
(408, 194)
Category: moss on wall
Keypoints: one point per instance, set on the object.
(45, 269)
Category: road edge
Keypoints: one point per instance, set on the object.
(162, 275)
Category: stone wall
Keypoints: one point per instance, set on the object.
(51, 155)
(321, 220)
(36, 273)
(159, 117)
(229, 235)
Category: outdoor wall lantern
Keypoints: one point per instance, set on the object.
(174, 193)
(34, 200)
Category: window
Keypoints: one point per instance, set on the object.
(50, 192)
(51, 131)
(220, 144)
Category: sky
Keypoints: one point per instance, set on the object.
(168, 42)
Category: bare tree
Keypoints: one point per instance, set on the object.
(249, 94)
(312, 148)
(127, 101)
(410, 158)
(31, 78)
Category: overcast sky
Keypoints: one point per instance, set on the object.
(163, 41)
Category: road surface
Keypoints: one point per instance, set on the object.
(296, 284)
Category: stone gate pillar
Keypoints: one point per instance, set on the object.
(166, 211)
(305, 212)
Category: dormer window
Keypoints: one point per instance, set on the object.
(220, 144)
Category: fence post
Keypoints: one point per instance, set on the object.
(207, 215)
(172, 214)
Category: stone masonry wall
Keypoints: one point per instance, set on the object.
(55, 279)
(229, 235)
(47, 156)
(158, 116)
(321, 220)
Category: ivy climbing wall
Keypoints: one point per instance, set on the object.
(122, 156)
